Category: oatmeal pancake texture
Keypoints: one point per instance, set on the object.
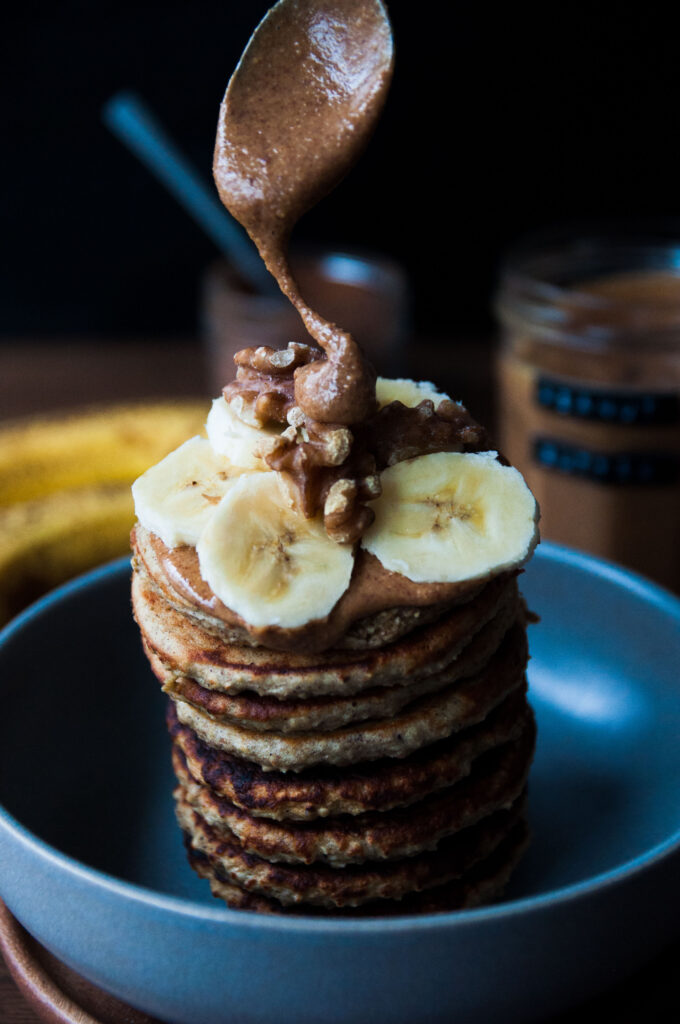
(255, 712)
(377, 608)
(355, 884)
(190, 650)
(482, 884)
(425, 721)
(496, 780)
(323, 790)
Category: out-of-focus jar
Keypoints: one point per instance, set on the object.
(365, 293)
(589, 393)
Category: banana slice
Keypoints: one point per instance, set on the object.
(244, 444)
(409, 392)
(448, 517)
(268, 563)
(176, 497)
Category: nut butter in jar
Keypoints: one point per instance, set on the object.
(589, 394)
(366, 293)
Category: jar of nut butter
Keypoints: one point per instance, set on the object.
(589, 393)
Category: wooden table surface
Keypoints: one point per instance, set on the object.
(37, 376)
(52, 374)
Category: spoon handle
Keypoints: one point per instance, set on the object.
(131, 121)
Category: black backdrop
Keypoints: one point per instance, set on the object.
(500, 120)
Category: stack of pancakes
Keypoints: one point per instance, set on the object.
(385, 775)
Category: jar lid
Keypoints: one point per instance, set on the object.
(594, 289)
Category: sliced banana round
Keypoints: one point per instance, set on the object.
(243, 443)
(448, 517)
(268, 563)
(176, 497)
(408, 392)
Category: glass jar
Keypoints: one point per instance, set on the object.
(589, 392)
(366, 293)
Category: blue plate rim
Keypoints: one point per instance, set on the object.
(162, 902)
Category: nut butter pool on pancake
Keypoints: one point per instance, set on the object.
(326, 584)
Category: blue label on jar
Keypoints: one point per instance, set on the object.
(626, 408)
(634, 468)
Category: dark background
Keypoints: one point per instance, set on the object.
(500, 120)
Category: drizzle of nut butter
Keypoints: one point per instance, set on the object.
(297, 113)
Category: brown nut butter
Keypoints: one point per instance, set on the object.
(373, 589)
(297, 113)
(589, 394)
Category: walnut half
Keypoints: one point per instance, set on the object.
(345, 515)
(265, 380)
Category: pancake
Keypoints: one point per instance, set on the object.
(355, 884)
(497, 779)
(255, 712)
(192, 651)
(423, 722)
(377, 608)
(374, 786)
(482, 884)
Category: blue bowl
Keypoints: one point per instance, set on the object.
(91, 861)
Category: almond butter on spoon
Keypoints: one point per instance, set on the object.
(298, 111)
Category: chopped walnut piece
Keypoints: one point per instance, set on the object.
(336, 441)
(326, 445)
(264, 380)
(296, 417)
(276, 361)
(344, 516)
(339, 499)
(472, 435)
(334, 470)
(271, 407)
(304, 465)
(306, 461)
(289, 434)
(243, 406)
(398, 432)
(370, 487)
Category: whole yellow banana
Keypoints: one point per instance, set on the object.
(65, 501)
(49, 540)
(114, 444)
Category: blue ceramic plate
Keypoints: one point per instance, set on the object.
(91, 861)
